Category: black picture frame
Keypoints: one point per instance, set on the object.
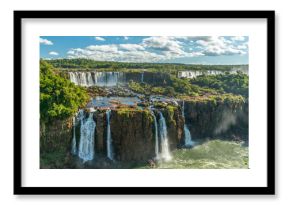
(268, 190)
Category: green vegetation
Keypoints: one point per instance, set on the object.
(215, 154)
(59, 98)
(182, 88)
(231, 83)
(147, 89)
(127, 113)
(227, 98)
(159, 67)
(170, 110)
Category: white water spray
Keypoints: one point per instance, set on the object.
(86, 145)
(142, 77)
(94, 78)
(109, 137)
(165, 153)
(187, 136)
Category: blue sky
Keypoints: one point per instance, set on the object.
(159, 49)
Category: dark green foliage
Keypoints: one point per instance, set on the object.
(59, 98)
(231, 83)
(181, 85)
(166, 67)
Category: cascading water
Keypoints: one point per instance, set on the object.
(73, 77)
(104, 79)
(187, 136)
(109, 137)
(196, 73)
(74, 142)
(83, 79)
(142, 77)
(165, 153)
(86, 145)
(156, 136)
(90, 81)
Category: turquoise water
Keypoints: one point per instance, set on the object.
(110, 101)
(214, 154)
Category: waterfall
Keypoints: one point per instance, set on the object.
(196, 73)
(83, 79)
(95, 78)
(74, 142)
(156, 136)
(90, 81)
(187, 136)
(109, 137)
(165, 153)
(142, 77)
(86, 145)
(73, 77)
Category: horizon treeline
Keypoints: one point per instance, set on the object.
(82, 63)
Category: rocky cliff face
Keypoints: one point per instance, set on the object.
(153, 78)
(100, 134)
(56, 135)
(132, 134)
(217, 119)
(55, 144)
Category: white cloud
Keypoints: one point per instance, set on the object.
(160, 48)
(71, 52)
(162, 43)
(53, 53)
(243, 46)
(191, 39)
(215, 46)
(45, 41)
(119, 55)
(238, 38)
(99, 38)
(103, 48)
(131, 47)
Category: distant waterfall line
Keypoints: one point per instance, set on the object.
(93, 78)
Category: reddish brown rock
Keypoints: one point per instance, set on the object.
(132, 135)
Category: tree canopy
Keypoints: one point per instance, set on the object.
(81, 63)
(59, 98)
(237, 83)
